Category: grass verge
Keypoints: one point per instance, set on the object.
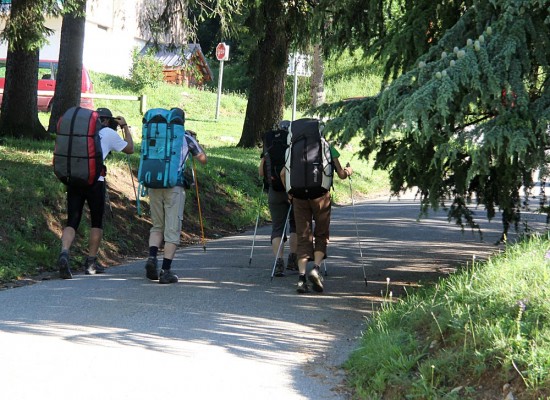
(479, 334)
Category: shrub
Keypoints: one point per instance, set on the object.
(146, 71)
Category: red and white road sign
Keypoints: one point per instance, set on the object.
(222, 52)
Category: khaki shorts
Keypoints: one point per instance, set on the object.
(167, 212)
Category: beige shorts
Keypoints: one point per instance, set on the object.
(167, 212)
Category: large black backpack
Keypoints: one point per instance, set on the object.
(275, 145)
(78, 158)
(309, 169)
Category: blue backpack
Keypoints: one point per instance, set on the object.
(163, 150)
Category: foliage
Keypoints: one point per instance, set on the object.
(26, 31)
(146, 71)
(445, 341)
(469, 122)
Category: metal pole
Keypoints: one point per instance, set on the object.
(295, 95)
(220, 79)
(357, 229)
(256, 228)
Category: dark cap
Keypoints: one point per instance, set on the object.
(104, 112)
(284, 125)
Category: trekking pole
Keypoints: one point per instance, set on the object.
(108, 198)
(325, 265)
(260, 198)
(357, 228)
(282, 241)
(199, 204)
(131, 175)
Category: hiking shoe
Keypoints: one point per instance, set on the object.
(166, 276)
(280, 267)
(92, 266)
(302, 285)
(292, 262)
(63, 264)
(151, 270)
(316, 279)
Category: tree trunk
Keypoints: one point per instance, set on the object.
(69, 77)
(267, 90)
(317, 89)
(19, 115)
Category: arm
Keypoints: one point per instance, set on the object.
(342, 173)
(129, 149)
(195, 148)
(261, 167)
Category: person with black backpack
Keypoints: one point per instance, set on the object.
(94, 193)
(307, 177)
(271, 163)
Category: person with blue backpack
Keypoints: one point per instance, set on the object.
(167, 201)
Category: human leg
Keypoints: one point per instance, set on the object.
(173, 215)
(155, 233)
(75, 203)
(96, 203)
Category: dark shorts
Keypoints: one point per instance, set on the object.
(278, 208)
(94, 196)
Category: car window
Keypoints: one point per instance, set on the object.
(45, 71)
(2, 69)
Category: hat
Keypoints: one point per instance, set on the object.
(104, 112)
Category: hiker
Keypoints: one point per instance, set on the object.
(312, 216)
(95, 197)
(167, 206)
(275, 144)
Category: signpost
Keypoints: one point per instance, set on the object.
(298, 65)
(222, 54)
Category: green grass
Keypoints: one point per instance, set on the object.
(486, 325)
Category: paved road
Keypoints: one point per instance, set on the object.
(225, 330)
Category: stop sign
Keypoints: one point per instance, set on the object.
(222, 52)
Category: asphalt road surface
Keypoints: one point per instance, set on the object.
(226, 330)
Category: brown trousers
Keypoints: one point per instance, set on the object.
(312, 225)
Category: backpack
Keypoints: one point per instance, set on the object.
(309, 168)
(77, 157)
(163, 141)
(275, 145)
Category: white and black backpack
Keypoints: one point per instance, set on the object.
(309, 169)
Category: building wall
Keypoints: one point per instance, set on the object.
(111, 34)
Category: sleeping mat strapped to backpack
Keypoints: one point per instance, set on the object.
(77, 158)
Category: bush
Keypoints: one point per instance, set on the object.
(146, 71)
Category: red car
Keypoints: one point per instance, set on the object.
(47, 72)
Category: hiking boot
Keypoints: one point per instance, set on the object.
(63, 264)
(166, 276)
(292, 262)
(280, 267)
(302, 285)
(151, 270)
(316, 279)
(92, 266)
